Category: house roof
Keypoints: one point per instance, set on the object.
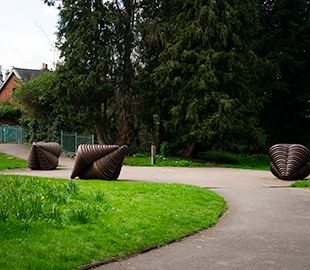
(28, 73)
(24, 73)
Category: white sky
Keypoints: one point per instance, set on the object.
(22, 43)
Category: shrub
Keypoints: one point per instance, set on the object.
(10, 111)
(219, 157)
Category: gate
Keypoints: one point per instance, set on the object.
(11, 134)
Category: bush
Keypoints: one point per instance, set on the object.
(44, 129)
(171, 149)
(10, 111)
(219, 157)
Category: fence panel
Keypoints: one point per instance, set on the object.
(11, 134)
(71, 140)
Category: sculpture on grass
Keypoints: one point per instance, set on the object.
(99, 161)
(44, 156)
(289, 161)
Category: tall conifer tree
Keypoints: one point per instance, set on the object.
(209, 73)
(285, 39)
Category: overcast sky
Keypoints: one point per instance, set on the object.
(22, 43)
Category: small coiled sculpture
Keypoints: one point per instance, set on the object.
(289, 161)
(44, 156)
(94, 161)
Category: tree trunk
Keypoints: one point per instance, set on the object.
(101, 125)
(102, 133)
(126, 89)
(161, 133)
(190, 151)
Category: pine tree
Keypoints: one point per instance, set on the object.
(85, 81)
(284, 39)
(209, 73)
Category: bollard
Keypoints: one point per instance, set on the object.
(153, 154)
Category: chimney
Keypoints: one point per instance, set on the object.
(59, 64)
(1, 75)
(7, 73)
(44, 66)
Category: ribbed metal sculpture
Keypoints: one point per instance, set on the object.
(94, 161)
(44, 156)
(289, 161)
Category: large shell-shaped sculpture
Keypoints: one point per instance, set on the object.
(94, 161)
(289, 161)
(44, 156)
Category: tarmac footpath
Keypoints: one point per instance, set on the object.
(267, 225)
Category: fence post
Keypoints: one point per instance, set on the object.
(92, 139)
(61, 139)
(76, 141)
(153, 154)
(4, 134)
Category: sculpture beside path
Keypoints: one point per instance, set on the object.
(44, 156)
(99, 161)
(289, 161)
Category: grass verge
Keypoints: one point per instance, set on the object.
(206, 159)
(60, 224)
(8, 162)
(301, 183)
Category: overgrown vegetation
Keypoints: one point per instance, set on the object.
(60, 224)
(10, 111)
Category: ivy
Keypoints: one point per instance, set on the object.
(10, 111)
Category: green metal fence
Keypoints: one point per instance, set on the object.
(11, 134)
(70, 141)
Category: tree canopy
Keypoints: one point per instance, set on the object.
(37, 95)
(231, 75)
(284, 39)
(209, 73)
(84, 82)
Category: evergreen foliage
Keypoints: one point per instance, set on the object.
(85, 83)
(229, 75)
(284, 39)
(10, 111)
(36, 96)
(37, 99)
(209, 73)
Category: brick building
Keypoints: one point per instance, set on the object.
(8, 81)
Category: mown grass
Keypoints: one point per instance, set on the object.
(206, 159)
(60, 224)
(302, 184)
(8, 162)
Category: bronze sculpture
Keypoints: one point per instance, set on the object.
(44, 156)
(99, 161)
(289, 161)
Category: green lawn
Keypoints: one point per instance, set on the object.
(206, 159)
(8, 162)
(60, 224)
(302, 184)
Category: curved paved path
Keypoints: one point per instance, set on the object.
(267, 225)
